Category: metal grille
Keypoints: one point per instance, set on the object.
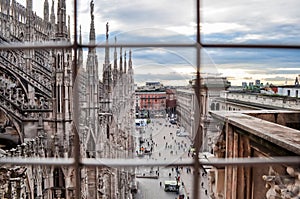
(77, 162)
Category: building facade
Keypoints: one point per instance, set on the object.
(42, 105)
(236, 101)
(151, 98)
(186, 106)
(193, 113)
(290, 91)
(171, 101)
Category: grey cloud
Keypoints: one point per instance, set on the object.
(161, 77)
(275, 22)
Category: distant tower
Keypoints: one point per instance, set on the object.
(115, 71)
(13, 10)
(80, 51)
(92, 107)
(121, 61)
(107, 76)
(46, 11)
(52, 16)
(121, 90)
(61, 31)
(130, 74)
(92, 73)
(62, 79)
(257, 82)
(29, 54)
(69, 28)
(29, 5)
(125, 66)
(29, 19)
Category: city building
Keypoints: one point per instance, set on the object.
(289, 90)
(170, 101)
(185, 110)
(257, 83)
(236, 101)
(189, 111)
(43, 108)
(151, 99)
(244, 84)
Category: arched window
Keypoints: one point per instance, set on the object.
(212, 106)
(217, 106)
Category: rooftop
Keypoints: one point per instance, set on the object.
(278, 127)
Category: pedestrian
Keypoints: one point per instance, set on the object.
(160, 183)
(169, 175)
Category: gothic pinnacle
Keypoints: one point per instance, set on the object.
(107, 29)
(92, 28)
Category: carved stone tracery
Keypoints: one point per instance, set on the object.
(285, 186)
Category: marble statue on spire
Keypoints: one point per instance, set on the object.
(107, 30)
(92, 7)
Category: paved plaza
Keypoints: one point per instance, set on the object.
(160, 137)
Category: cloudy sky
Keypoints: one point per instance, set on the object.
(230, 21)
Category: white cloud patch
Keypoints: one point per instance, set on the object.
(222, 27)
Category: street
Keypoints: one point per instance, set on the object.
(149, 188)
(160, 137)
